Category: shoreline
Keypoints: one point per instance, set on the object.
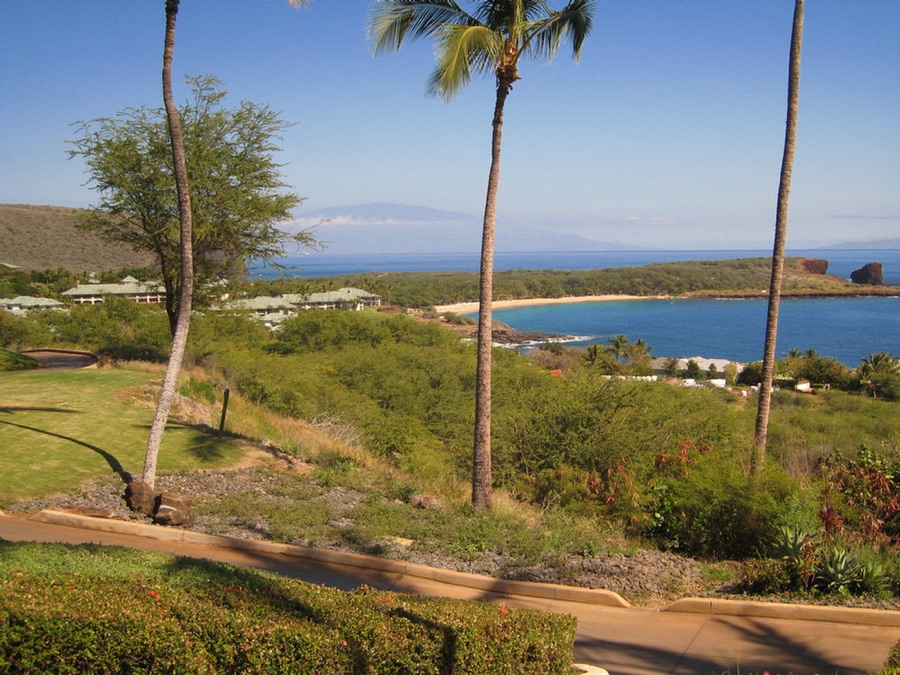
(469, 307)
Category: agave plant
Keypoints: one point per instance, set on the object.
(791, 542)
(796, 546)
(872, 578)
(839, 570)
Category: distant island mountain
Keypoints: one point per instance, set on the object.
(864, 245)
(46, 237)
(398, 228)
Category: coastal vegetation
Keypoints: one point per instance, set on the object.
(592, 464)
(740, 277)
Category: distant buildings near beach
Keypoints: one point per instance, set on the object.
(269, 310)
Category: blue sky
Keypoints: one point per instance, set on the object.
(667, 133)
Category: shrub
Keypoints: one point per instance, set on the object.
(15, 361)
(718, 511)
(892, 665)
(186, 616)
(886, 386)
(764, 576)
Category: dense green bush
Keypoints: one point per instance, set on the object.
(14, 361)
(118, 328)
(13, 331)
(716, 510)
(886, 386)
(87, 609)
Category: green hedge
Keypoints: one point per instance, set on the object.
(201, 617)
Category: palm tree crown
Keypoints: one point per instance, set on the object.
(491, 38)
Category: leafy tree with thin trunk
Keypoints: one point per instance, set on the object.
(185, 217)
(781, 220)
(492, 38)
(237, 195)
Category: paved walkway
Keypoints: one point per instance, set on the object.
(690, 637)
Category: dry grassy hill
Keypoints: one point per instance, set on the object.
(45, 237)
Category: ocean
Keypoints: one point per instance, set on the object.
(324, 264)
(847, 329)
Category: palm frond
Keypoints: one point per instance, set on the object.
(391, 20)
(506, 14)
(464, 51)
(574, 22)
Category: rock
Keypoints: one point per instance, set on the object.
(870, 274)
(139, 497)
(814, 266)
(173, 509)
(428, 502)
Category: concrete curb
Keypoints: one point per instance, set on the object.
(884, 618)
(711, 606)
(475, 581)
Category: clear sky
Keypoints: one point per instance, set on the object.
(667, 133)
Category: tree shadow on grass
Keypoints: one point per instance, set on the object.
(114, 463)
(205, 445)
(13, 409)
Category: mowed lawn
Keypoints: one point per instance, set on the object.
(59, 428)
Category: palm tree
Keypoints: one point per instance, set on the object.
(883, 362)
(492, 38)
(182, 323)
(638, 352)
(618, 345)
(182, 187)
(784, 188)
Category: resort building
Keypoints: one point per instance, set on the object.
(273, 310)
(354, 299)
(141, 292)
(25, 303)
(261, 305)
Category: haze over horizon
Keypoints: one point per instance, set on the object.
(668, 133)
(401, 228)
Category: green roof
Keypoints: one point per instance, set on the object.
(26, 301)
(130, 287)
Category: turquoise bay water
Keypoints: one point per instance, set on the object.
(848, 329)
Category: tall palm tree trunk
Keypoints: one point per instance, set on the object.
(482, 490)
(784, 189)
(182, 324)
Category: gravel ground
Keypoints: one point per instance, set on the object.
(648, 578)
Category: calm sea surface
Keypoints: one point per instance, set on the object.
(323, 264)
(845, 328)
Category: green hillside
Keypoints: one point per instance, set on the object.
(45, 237)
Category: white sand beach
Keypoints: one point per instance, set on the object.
(467, 307)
